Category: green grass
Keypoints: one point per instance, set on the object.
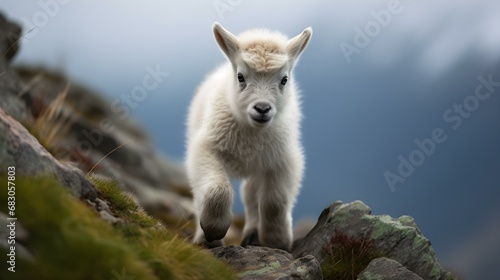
(70, 241)
(120, 201)
(348, 256)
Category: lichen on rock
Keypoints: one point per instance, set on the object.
(255, 262)
(386, 269)
(397, 239)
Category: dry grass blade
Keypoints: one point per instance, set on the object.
(14, 43)
(30, 84)
(53, 123)
(112, 151)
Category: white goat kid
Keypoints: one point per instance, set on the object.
(244, 122)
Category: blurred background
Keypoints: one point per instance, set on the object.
(377, 76)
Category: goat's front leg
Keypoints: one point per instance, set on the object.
(276, 200)
(213, 196)
(249, 193)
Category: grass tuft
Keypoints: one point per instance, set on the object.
(67, 238)
(70, 241)
(119, 200)
(53, 124)
(348, 256)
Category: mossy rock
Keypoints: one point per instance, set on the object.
(352, 228)
(68, 240)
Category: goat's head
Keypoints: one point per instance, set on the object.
(262, 65)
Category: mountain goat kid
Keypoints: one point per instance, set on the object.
(244, 122)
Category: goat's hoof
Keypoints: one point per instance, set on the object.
(213, 244)
(251, 239)
(214, 231)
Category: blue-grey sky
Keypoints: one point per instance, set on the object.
(403, 80)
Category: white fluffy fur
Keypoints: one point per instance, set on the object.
(224, 140)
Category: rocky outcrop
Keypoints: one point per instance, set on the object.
(9, 35)
(18, 148)
(397, 239)
(346, 242)
(387, 269)
(12, 100)
(109, 144)
(267, 263)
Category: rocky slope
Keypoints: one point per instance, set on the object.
(63, 138)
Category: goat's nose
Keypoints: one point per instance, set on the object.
(262, 108)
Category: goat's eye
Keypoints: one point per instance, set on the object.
(284, 80)
(241, 79)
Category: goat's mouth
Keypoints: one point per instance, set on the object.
(262, 119)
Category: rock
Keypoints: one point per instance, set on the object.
(397, 239)
(303, 227)
(266, 263)
(102, 207)
(20, 149)
(387, 269)
(105, 215)
(116, 142)
(99, 129)
(12, 99)
(9, 35)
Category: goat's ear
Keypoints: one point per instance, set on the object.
(297, 44)
(227, 41)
